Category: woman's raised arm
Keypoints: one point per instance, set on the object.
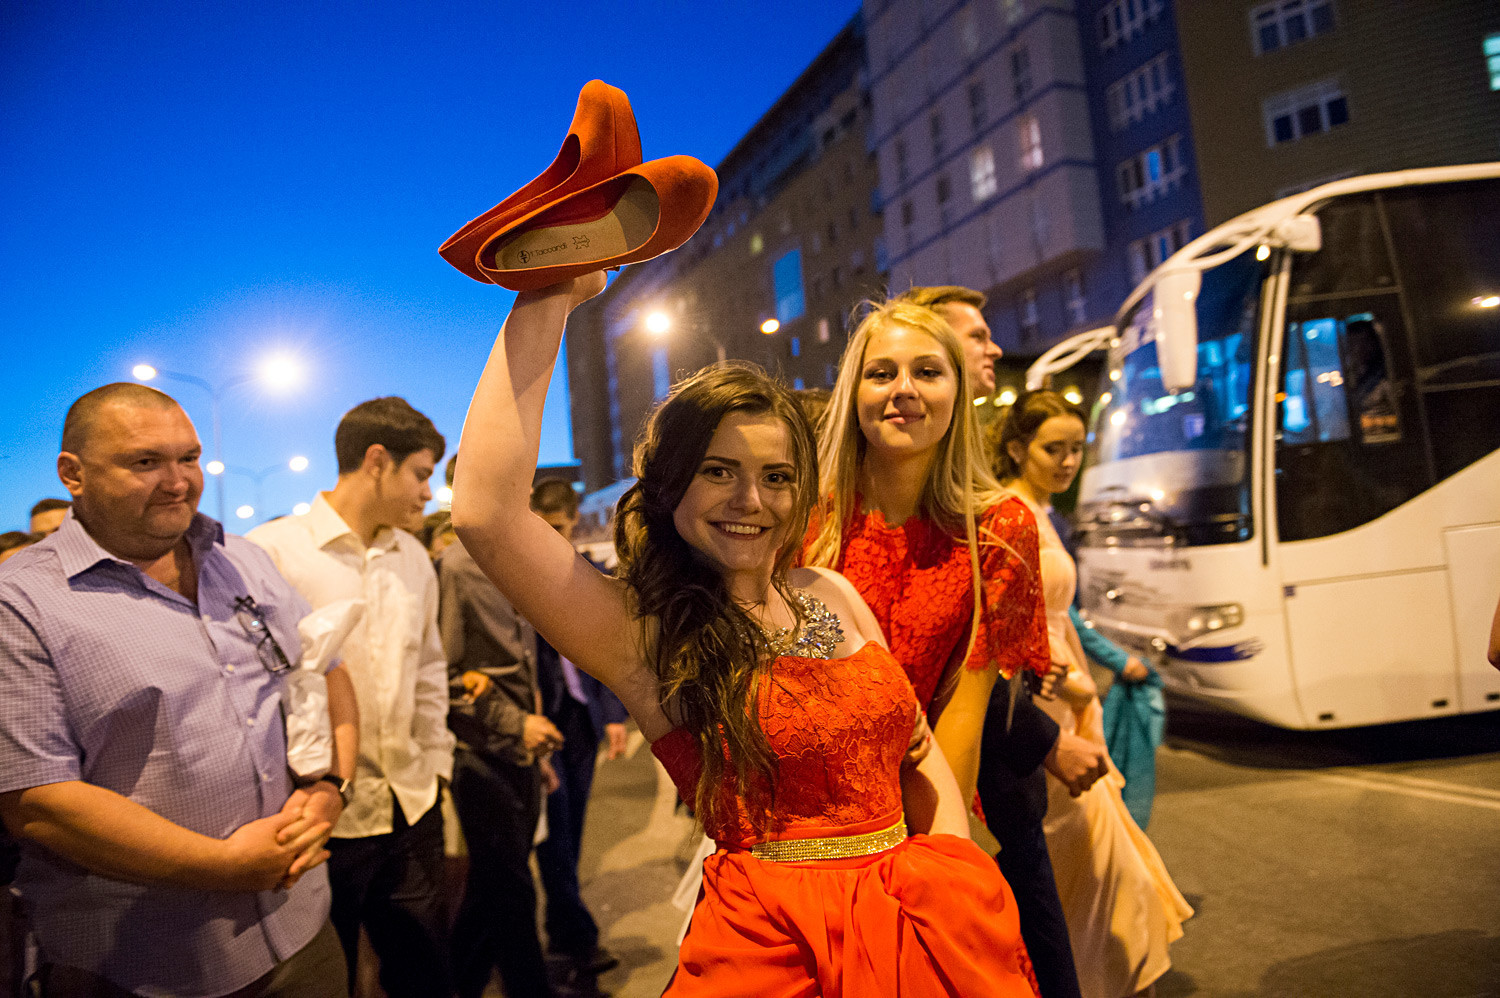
(585, 615)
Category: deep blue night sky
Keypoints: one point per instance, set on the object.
(200, 185)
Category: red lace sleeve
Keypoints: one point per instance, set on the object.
(1013, 628)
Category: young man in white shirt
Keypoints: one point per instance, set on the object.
(386, 868)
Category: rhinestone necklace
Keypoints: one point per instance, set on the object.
(818, 637)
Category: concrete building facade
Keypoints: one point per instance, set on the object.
(795, 239)
(1288, 94)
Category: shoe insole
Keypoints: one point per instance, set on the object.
(619, 230)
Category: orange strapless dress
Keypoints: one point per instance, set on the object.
(930, 916)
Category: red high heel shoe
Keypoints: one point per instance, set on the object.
(602, 141)
(640, 213)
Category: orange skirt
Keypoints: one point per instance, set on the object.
(932, 917)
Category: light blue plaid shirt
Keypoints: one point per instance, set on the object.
(108, 676)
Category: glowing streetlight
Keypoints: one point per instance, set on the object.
(1487, 301)
(302, 509)
(279, 370)
(245, 512)
(445, 496)
(298, 463)
(770, 326)
(657, 323)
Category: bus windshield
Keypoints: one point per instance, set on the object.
(1174, 468)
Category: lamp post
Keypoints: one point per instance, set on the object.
(659, 324)
(219, 469)
(274, 370)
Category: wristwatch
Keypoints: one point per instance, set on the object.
(343, 786)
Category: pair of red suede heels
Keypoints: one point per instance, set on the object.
(596, 207)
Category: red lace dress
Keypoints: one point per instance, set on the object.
(918, 580)
(929, 917)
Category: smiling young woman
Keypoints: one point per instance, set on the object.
(767, 691)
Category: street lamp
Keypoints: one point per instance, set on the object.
(280, 371)
(297, 464)
(659, 323)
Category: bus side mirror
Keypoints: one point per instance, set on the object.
(1175, 315)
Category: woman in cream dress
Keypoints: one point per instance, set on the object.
(1121, 906)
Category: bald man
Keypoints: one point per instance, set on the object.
(143, 767)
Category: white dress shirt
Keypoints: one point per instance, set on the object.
(394, 656)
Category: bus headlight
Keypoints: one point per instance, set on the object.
(1197, 621)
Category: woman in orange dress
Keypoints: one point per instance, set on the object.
(948, 562)
(844, 865)
(1122, 908)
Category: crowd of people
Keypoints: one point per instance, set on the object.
(839, 633)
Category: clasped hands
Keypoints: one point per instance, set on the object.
(275, 852)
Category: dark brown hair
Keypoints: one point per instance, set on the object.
(709, 654)
(554, 495)
(390, 422)
(48, 505)
(1020, 422)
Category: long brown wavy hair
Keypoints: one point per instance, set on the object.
(709, 654)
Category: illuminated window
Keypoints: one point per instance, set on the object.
(786, 274)
(1073, 295)
(1151, 173)
(982, 181)
(1121, 20)
(756, 244)
(1026, 314)
(1286, 22)
(823, 334)
(1308, 110)
(1029, 131)
(1492, 59)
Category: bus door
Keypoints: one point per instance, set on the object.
(1366, 595)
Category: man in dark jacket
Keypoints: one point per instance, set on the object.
(497, 777)
(587, 713)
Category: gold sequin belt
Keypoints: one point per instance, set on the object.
(833, 847)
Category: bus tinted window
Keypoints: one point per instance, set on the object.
(1353, 257)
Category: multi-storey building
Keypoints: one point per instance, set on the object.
(792, 246)
(987, 162)
(1287, 94)
(1143, 135)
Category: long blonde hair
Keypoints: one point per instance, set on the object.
(959, 480)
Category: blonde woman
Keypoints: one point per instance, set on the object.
(948, 562)
(1122, 908)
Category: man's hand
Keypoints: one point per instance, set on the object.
(615, 737)
(1135, 670)
(1053, 680)
(550, 781)
(476, 684)
(1076, 762)
(256, 861)
(540, 735)
(315, 804)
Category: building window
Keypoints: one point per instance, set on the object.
(1151, 173)
(1306, 111)
(1140, 92)
(1073, 295)
(1020, 72)
(982, 181)
(835, 278)
(935, 129)
(796, 346)
(1026, 314)
(901, 166)
(661, 373)
(968, 33)
(853, 218)
(1146, 254)
(1013, 9)
(944, 193)
(823, 334)
(1030, 134)
(882, 255)
(1286, 22)
(1121, 20)
(1492, 59)
(907, 214)
(833, 232)
(978, 107)
(756, 244)
(786, 275)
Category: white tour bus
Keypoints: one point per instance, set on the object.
(1292, 491)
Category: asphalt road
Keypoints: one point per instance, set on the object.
(1321, 865)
